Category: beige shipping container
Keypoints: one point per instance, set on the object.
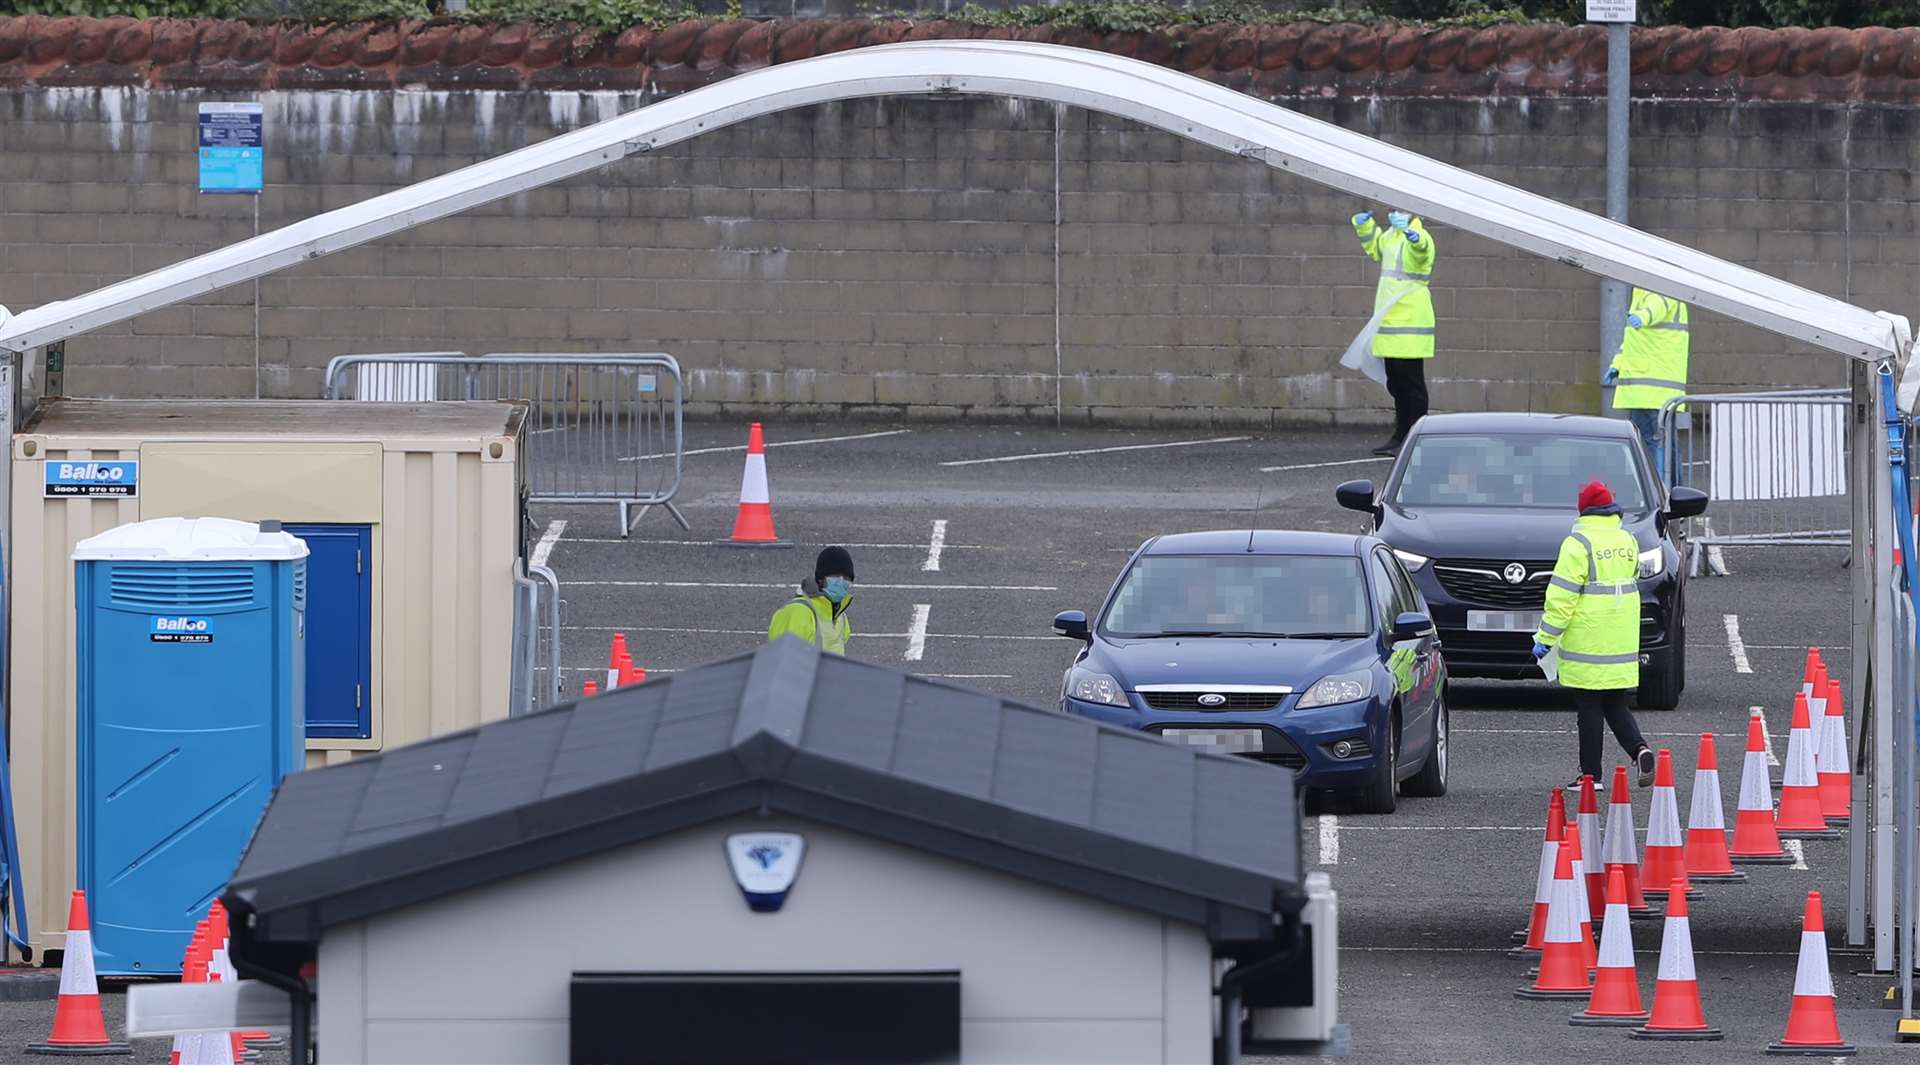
(440, 484)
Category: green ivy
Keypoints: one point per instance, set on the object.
(600, 16)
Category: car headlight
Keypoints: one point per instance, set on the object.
(1337, 689)
(1652, 563)
(1090, 687)
(1409, 559)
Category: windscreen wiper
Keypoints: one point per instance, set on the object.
(1178, 632)
(1312, 635)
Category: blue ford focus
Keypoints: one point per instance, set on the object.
(1312, 651)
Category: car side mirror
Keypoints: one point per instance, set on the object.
(1355, 495)
(1686, 502)
(1412, 626)
(1072, 624)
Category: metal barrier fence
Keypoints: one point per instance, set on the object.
(536, 646)
(601, 428)
(1774, 464)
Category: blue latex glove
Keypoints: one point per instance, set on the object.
(1362, 218)
(1634, 321)
(1413, 236)
(1612, 375)
(1539, 650)
(1399, 219)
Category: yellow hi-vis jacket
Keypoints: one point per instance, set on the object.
(813, 617)
(1593, 606)
(1405, 269)
(1653, 358)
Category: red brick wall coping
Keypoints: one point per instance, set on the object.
(1288, 60)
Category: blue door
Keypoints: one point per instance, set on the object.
(339, 630)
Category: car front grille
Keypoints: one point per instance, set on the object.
(1478, 582)
(1190, 700)
(1280, 751)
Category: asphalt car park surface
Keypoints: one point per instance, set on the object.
(963, 562)
(968, 539)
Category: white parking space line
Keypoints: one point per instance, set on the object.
(775, 443)
(967, 676)
(935, 544)
(789, 585)
(917, 632)
(1793, 847)
(1568, 731)
(1095, 451)
(1503, 950)
(1766, 736)
(1792, 647)
(1329, 840)
(1323, 465)
(544, 549)
(1735, 646)
(1444, 828)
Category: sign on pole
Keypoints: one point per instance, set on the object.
(1611, 11)
(232, 148)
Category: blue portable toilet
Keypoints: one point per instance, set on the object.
(191, 676)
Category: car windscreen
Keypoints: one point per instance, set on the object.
(1240, 595)
(1517, 470)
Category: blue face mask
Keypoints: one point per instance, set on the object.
(837, 589)
(1398, 219)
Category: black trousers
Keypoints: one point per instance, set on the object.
(1407, 384)
(1610, 707)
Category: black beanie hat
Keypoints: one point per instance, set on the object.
(833, 560)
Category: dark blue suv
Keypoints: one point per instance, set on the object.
(1312, 651)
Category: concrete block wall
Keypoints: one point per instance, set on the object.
(952, 258)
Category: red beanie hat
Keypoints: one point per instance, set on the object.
(1595, 494)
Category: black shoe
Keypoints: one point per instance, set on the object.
(1644, 761)
(1574, 784)
(1390, 448)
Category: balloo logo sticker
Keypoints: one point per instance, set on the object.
(765, 865)
(175, 628)
(67, 479)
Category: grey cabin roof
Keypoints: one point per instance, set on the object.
(1108, 812)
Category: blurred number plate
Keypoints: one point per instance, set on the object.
(1218, 740)
(1503, 620)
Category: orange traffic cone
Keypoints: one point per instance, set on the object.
(1616, 987)
(622, 671)
(1799, 813)
(753, 524)
(615, 652)
(1813, 667)
(634, 675)
(1812, 1027)
(1570, 842)
(78, 1026)
(1706, 825)
(1666, 856)
(186, 1048)
(1834, 762)
(1563, 964)
(1589, 828)
(1535, 935)
(1754, 840)
(1676, 991)
(1620, 846)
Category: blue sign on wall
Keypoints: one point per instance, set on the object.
(232, 148)
(92, 479)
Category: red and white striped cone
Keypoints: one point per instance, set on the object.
(216, 1048)
(1589, 825)
(1534, 936)
(753, 523)
(1616, 987)
(589, 689)
(1799, 814)
(192, 971)
(1666, 854)
(1563, 964)
(1812, 1027)
(1754, 840)
(1813, 667)
(1706, 826)
(615, 652)
(79, 1028)
(1620, 846)
(1676, 991)
(1817, 698)
(1571, 841)
(1834, 762)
